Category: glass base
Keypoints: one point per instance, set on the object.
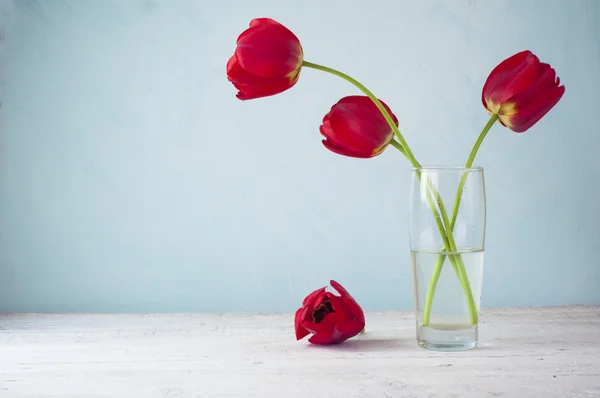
(447, 338)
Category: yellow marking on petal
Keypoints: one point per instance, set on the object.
(293, 76)
(492, 107)
(380, 149)
(505, 119)
(508, 109)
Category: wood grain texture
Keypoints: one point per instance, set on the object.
(524, 352)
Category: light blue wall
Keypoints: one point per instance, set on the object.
(132, 179)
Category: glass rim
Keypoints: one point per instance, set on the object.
(446, 168)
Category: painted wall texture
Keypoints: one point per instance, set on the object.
(133, 180)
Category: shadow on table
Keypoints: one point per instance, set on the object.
(370, 344)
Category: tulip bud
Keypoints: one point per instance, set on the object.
(356, 128)
(267, 60)
(521, 90)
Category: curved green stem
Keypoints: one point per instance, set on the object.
(403, 147)
(398, 146)
(406, 150)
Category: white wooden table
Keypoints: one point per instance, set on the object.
(526, 352)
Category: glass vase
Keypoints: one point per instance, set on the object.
(447, 214)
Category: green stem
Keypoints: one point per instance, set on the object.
(397, 145)
(448, 245)
(403, 147)
(440, 260)
(455, 259)
(435, 276)
(469, 163)
(406, 150)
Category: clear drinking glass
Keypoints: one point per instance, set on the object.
(447, 267)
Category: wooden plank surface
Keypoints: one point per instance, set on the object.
(524, 352)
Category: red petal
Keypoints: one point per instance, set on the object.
(352, 130)
(304, 315)
(333, 320)
(338, 316)
(339, 306)
(251, 86)
(368, 104)
(300, 331)
(545, 81)
(318, 328)
(330, 144)
(350, 329)
(511, 76)
(340, 289)
(263, 21)
(269, 49)
(335, 148)
(309, 309)
(524, 119)
(325, 128)
(322, 339)
(339, 334)
(350, 302)
(313, 296)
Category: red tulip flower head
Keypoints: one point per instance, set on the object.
(356, 128)
(331, 319)
(267, 60)
(521, 90)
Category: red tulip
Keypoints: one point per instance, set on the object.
(331, 319)
(521, 90)
(267, 60)
(355, 127)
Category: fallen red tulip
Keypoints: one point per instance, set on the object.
(329, 318)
